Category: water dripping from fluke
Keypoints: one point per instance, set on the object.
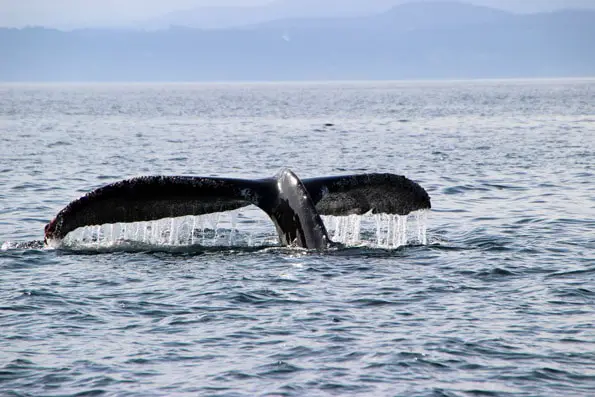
(176, 234)
(387, 231)
(177, 211)
(236, 229)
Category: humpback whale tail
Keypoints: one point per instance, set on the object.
(294, 205)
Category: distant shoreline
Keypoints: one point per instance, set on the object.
(304, 82)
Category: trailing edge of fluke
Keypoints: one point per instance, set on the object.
(294, 205)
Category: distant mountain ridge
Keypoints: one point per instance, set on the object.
(161, 15)
(411, 41)
(273, 12)
(408, 16)
(223, 17)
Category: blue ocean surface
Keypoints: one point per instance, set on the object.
(495, 297)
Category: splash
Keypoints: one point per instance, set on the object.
(246, 227)
(26, 245)
(379, 230)
(344, 229)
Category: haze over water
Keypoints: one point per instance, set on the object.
(501, 301)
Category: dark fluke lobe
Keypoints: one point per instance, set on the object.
(359, 194)
(293, 205)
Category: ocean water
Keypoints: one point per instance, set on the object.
(496, 297)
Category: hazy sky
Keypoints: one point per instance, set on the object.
(82, 13)
(41, 12)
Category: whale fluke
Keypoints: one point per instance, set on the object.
(360, 194)
(293, 205)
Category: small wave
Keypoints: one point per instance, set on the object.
(505, 187)
(460, 189)
(494, 274)
(59, 143)
(573, 273)
(25, 245)
(278, 368)
(262, 297)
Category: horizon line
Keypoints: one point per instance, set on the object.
(300, 81)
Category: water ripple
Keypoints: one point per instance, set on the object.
(500, 302)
